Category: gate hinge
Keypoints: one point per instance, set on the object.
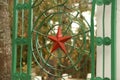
(23, 6)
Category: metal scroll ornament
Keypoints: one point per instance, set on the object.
(58, 47)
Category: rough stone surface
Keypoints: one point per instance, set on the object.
(5, 43)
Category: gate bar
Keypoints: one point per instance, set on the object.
(14, 36)
(30, 26)
(92, 46)
(113, 39)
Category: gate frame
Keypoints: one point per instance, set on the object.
(15, 39)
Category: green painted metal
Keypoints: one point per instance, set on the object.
(22, 6)
(99, 41)
(103, 40)
(113, 39)
(21, 41)
(106, 41)
(14, 46)
(101, 2)
(30, 27)
(92, 45)
(98, 78)
(36, 31)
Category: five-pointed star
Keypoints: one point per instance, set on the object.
(59, 41)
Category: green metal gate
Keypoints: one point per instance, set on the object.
(33, 35)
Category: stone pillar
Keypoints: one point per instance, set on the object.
(5, 42)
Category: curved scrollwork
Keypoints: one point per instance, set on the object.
(50, 17)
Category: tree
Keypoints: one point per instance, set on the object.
(5, 42)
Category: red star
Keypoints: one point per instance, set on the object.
(59, 41)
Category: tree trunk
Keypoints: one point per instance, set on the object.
(5, 42)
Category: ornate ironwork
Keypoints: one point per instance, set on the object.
(38, 46)
(75, 45)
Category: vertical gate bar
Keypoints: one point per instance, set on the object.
(14, 36)
(92, 46)
(22, 32)
(113, 39)
(30, 26)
